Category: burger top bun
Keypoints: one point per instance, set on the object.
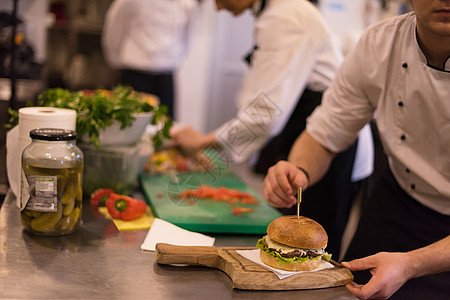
(301, 233)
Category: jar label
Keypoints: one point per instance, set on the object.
(39, 193)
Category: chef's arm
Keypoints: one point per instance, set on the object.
(310, 156)
(432, 259)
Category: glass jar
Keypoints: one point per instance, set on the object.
(51, 182)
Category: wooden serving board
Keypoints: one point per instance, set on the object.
(247, 275)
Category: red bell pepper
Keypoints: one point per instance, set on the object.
(99, 197)
(124, 207)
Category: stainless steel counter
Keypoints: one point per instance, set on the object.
(99, 262)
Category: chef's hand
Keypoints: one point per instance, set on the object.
(281, 184)
(190, 140)
(389, 272)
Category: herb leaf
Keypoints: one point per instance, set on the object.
(98, 109)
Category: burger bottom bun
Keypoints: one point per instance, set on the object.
(272, 261)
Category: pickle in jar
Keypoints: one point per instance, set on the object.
(68, 223)
(46, 222)
(71, 190)
(65, 200)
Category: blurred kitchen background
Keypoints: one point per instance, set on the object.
(58, 45)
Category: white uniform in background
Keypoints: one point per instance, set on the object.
(147, 35)
(295, 51)
(146, 40)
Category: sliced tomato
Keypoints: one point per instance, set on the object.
(238, 211)
(222, 194)
(206, 191)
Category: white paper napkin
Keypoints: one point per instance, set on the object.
(253, 255)
(165, 232)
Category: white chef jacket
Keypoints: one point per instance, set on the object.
(387, 77)
(295, 50)
(147, 35)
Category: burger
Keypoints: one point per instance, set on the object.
(294, 244)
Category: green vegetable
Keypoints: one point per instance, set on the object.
(97, 110)
(31, 213)
(68, 208)
(13, 119)
(70, 194)
(261, 244)
(46, 221)
(67, 224)
(326, 256)
(26, 220)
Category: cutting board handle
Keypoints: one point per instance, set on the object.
(207, 256)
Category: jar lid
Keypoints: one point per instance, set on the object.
(53, 134)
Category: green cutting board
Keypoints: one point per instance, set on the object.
(204, 215)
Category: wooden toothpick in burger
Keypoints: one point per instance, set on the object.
(299, 200)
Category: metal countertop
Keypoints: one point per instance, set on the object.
(99, 262)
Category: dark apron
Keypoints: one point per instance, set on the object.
(395, 222)
(330, 200)
(161, 85)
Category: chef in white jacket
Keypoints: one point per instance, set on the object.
(146, 40)
(293, 63)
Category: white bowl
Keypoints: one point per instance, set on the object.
(114, 136)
